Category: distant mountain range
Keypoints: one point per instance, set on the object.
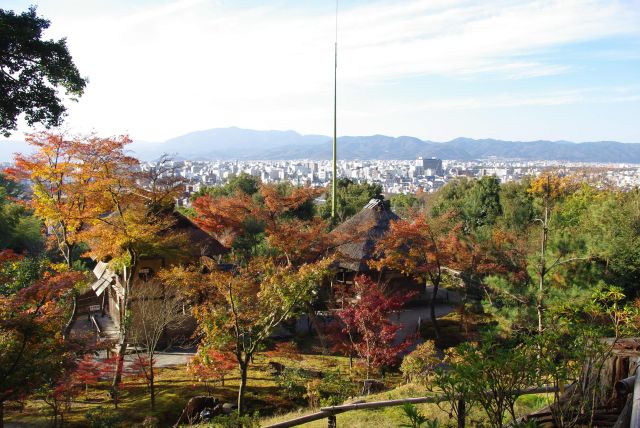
(243, 144)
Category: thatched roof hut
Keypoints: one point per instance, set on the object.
(361, 234)
(200, 241)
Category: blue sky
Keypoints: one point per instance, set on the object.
(508, 69)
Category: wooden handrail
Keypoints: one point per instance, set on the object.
(326, 412)
(95, 323)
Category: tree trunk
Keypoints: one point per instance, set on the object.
(74, 312)
(152, 386)
(124, 327)
(117, 377)
(542, 269)
(151, 379)
(368, 366)
(69, 255)
(432, 311)
(461, 413)
(244, 367)
(316, 326)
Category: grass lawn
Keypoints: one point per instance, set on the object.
(174, 388)
(453, 330)
(389, 417)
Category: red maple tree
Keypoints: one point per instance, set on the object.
(417, 247)
(210, 365)
(364, 327)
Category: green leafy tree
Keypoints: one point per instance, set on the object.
(20, 230)
(32, 70)
(612, 226)
(243, 183)
(351, 197)
(494, 372)
(402, 204)
(477, 201)
(574, 356)
(20, 272)
(450, 196)
(419, 364)
(450, 385)
(481, 204)
(517, 205)
(558, 244)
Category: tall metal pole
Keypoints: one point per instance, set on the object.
(334, 176)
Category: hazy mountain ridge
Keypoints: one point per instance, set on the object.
(243, 144)
(238, 143)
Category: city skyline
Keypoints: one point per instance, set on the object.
(438, 70)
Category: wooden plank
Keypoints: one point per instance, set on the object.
(301, 420)
(307, 418)
(431, 399)
(325, 412)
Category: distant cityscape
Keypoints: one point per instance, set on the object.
(395, 176)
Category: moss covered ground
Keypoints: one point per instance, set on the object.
(174, 388)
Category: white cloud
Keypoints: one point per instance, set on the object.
(190, 64)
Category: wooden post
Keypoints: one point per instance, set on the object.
(331, 421)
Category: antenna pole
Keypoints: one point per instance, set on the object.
(334, 176)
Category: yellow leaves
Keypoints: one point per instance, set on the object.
(253, 298)
(64, 179)
(59, 267)
(552, 186)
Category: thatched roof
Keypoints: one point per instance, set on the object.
(199, 240)
(361, 233)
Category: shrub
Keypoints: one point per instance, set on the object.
(416, 418)
(102, 418)
(418, 366)
(292, 382)
(335, 388)
(236, 421)
(313, 393)
(150, 422)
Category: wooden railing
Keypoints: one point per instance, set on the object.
(330, 413)
(96, 324)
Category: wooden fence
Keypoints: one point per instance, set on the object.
(330, 413)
